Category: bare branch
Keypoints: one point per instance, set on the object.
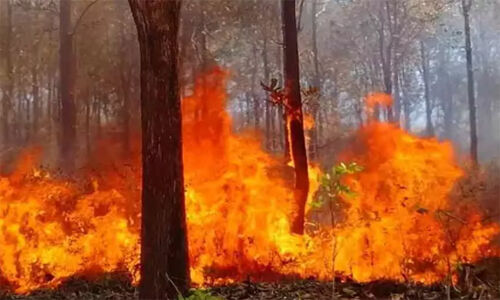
(80, 17)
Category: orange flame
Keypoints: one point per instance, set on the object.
(239, 203)
(378, 98)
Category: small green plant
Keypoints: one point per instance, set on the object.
(200, 295)
(331, 185)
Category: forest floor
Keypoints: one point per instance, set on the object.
(117, 287)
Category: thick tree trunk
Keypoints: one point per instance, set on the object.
(66, 85)
(7, 89)
(294, 112)
(164, 248)
(429, 131)
(466, 7)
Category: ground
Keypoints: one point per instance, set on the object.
(117, 287)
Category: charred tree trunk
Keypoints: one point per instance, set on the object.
(294, 112)
(6, 53)
(425, 76)
(466, 7)
(164, 248)
(66, 85)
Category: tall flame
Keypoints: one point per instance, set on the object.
(400, 224)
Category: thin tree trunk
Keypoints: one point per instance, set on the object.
(36, 101)
(98, 113)
(87, 124)
(50, 93)
(125, 89)
(67, 81)
(267, 105)
(397, 98)
(294, 112)
(164, 248)
(406, 101)
(313, 147)
(425, 76)
(255, 100)
(466, 7)
(27, 111)
(6, 53)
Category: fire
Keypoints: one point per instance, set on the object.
(374, 99)
(400, 224)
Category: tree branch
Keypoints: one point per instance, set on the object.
(80, 17)
(301, 9)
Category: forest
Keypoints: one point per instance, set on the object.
(249, 149)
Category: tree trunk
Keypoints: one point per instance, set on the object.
(406, 100)
(255, 99)
(50, 96)
(429, 131)
(67, 82)
(6, 53)
(281, 122)
(397, 98)
(466, 7)
(267, 105)
(294, 112)
(313, 147)
(125, 89)
(36, 100)
(164, 248)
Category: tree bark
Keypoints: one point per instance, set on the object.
(66, 85)
(164, 247)
(294, 112)
(466, 7)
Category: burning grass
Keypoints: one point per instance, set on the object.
(400, 224)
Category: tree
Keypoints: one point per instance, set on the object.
(67, 84)
(427, 94)
(293, 104)
(164, 248)
(315, 111)
(6, 53)
(466, 7)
